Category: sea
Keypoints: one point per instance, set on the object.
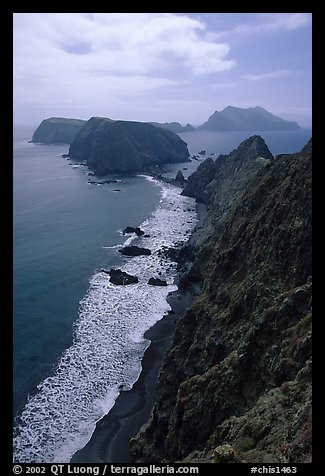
(78, 338)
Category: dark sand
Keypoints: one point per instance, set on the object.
(110, 440)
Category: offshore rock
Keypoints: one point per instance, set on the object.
(119, 277)
(134, 251)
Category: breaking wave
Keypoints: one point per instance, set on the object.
(108, 343)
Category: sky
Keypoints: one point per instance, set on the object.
(160, 66)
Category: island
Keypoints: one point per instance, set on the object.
(173, 126)
(251, 119)
(57, 130)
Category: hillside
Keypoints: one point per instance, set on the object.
(57, 130)
(250, 119)
(235, 385)
(108, 146)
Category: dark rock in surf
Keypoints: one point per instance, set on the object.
(134, 251)
(157, 282)
(120, 277)
(132, 229)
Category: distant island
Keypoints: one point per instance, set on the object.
(250, 119)
(108, 146)
(174, 126)
(57, 130)
(64, 130)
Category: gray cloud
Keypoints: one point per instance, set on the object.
(137, 65)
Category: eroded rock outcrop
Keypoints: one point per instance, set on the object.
(157, 282)
(133, 229)
(120, 277)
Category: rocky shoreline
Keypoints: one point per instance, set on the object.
(228, 371)
(235, 384)
(110, 440)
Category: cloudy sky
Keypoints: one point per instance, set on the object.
(160, 66)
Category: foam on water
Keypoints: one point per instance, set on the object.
(108, 343)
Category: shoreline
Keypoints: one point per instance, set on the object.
(109, 442)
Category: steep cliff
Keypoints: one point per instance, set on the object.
(123, 146)
(220, 180)
(235, 386)
(250, 119)
(57, 130)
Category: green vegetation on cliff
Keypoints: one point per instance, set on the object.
(123, 146)
(57, 130)
(235, 385)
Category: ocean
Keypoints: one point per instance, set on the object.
(77, 337)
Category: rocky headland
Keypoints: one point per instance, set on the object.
(134, 251)
(57, 130)
(235, 384)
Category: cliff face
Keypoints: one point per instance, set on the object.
(121, 146)
(57, 130)
(250, 119)
(236, 382)
(220, 180)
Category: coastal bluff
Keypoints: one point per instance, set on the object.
(235, 384)
(108, 146)
(57, 130)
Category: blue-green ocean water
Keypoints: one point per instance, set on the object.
(77, 337)
(61, 226)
